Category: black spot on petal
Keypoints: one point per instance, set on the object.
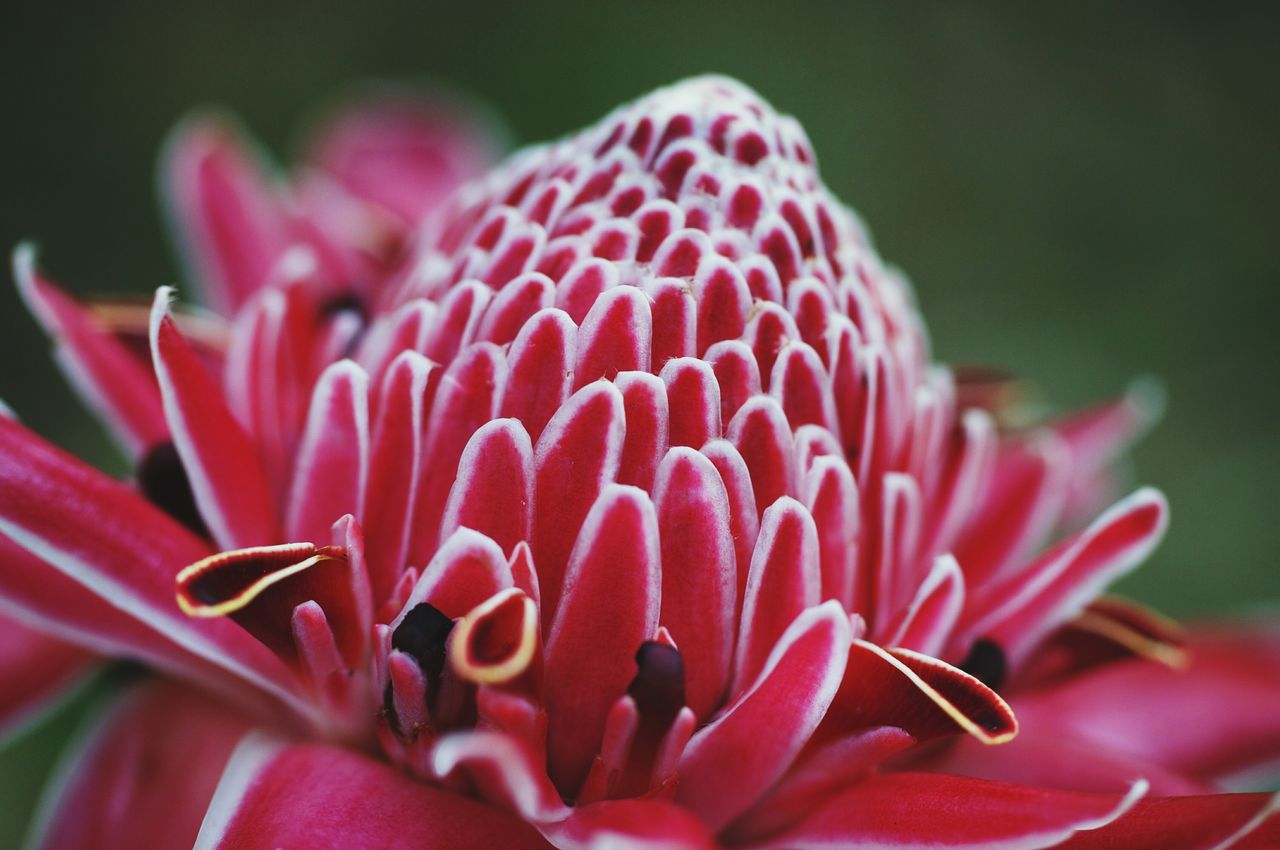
(163, 480)
(658, 687)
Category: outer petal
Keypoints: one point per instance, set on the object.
(311, 795)
(1016, 613)
(36, 671)
(729, 764)
(1218, 718)
(1211, 822)
(226, 216)
(403, 152)
(935, 811)
(144, 774)
(226, 475)
(106, 374)
(104, 536)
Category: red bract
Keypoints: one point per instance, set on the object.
(609, 500)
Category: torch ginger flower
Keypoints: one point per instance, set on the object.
(608, 498)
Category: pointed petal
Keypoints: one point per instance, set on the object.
(784, 580)
(313, 795)
(926, 624)
(466, 400)
(333, 458)
(221, 461)
(1015, 614)
(699, 576)
(143, 774)
(576, 457)
(397, 456)
(225, 214)
(616, 567)
(938, 811)
(111, 380)
(729, 764)
(101, 534)
(504, 771)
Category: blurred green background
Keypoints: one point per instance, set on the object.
(1083, 194)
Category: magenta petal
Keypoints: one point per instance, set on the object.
(576, 457)
(467, 569)
(396, 457)
(36, 671)
(539, 370)
(637, 824)
(313, 795)
(784, 580)
(729, 764)
(1018, 612)
(762, 436)
(223, 465)
(228, 218)
(699, 575)
(402, 152)
(105, 373)
(104, 536)
(939, 811)
(1213, 720)
(333, 459)
(503, 770)
(615, 568)
(144, 774)
(493, 493)
(925, 625)
(693, 396)
(615, 336)
(1208, 822)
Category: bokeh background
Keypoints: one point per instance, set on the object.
(1083, 194)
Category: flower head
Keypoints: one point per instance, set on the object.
(612, 494)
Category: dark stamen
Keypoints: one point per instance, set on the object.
(986, 663)
(658, 688)
(163, 480)
(423, 634)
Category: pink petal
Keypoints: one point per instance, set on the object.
(1209, 822)
(221, 461)
(737, 374)
(576, 457)
(314, 795)
(693, 396)
(403, 152)
(699, 575)
(638, 824)
(938, 811)
(493, 493)
(647, 409)
(226, 216)
(1213, 720)
(333, 458)
(762, 436)
(539, 370)
(391, 494)
(105, 373)
(674, 322)
(467, 569)
(744, 521)
(1015, 614)
(925, 625)
(504, 771)
(466, 400)
(144, 773)
(723, 302)
(729, 764)
(616, 567)
(36, 672)
(831, 496)
(784, 580)
(616, 336)
(102, 535)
